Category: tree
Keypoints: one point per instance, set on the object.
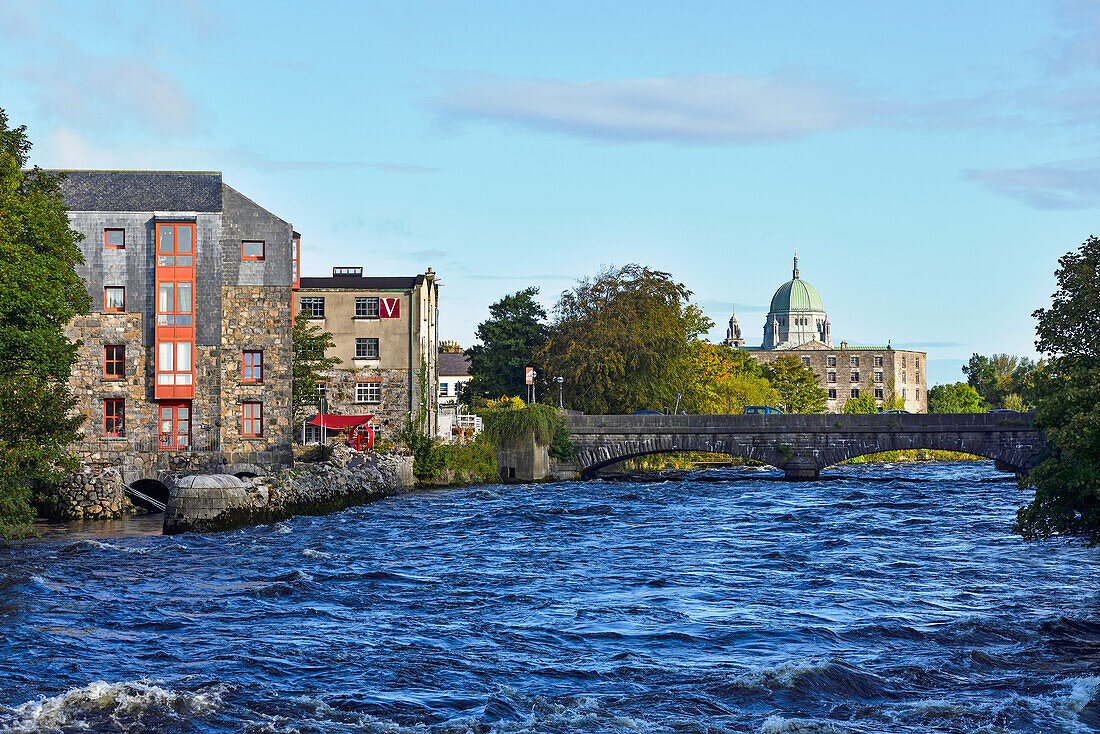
(796, 384)
(998, 376)
(622, 340)
(720, 379)
(957, 397)
(865, 403)
(511, 335)
(40, 292)
(1066, 393)
(309, 344)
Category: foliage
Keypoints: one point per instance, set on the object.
(510, 338)
(998, 376)
(1066, 392)
(505, 422)
(914, 455)
(958, 397)
(562, 447)
(427, 462)
(474, 461)
(724, 380)
(796, 385)
(40, 292)
(309, 344)
(865, 403)
(622, 340)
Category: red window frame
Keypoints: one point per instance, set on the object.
(114, 361)
(263, 249)
(252, 365)
(117, 288)
(114, 417)
(177, 417)
(252, 419)
(114, 247)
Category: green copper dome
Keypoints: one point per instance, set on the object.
(796, 295)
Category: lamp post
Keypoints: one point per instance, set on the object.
(560, 380)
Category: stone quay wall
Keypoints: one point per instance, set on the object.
(93, 493)
(219, 502)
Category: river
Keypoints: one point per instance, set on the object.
(887, 598)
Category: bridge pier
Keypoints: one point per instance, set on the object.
(801, 469)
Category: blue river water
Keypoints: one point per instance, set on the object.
(890, 598)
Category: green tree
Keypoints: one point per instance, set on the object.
(720, 379)
(309, 344)
(622, 340)
(510, 337)
(40, 292)
(796, 384)
(958, 397)
(998, 376)
(1066, 392)
(865, 403)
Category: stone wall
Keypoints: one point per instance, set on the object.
(348, 478)
(389, 415)
(91, 493)
(256, 318)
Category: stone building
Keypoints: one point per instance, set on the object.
(797, 324)
(186, 349)
(385, 335)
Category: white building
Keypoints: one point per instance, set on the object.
(454, 373)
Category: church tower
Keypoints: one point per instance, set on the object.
(733, 333)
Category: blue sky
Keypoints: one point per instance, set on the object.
(930, 161)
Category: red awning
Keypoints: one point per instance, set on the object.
(339, 422)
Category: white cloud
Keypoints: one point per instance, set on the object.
(1071, 184)
(704, 109)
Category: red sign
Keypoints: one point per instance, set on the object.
(389, 308)
(530, 375)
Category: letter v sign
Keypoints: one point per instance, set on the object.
(391, 308)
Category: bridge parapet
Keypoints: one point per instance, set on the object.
(802, 445)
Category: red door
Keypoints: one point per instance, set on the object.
(175, 424)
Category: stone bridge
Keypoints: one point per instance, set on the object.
(803, 445)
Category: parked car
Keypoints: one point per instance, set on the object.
(648, 412)
(1004, 410)
(761, 410)
(895, 410)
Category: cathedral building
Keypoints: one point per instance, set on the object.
(797, 324)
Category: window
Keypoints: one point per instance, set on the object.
(253, 366)
(314, 306)
(174, 363)
(366, 307)
(903, 360)
(175, 424)
(174, 306)
(903, 393)
(855, 376)
(366, 348)
(443, 390)
(853, 361)
(174, 245)
(832, 360)
(878, 361)
(114, 239)
(917, 360)
(252, 249)
(114, 298)
(917, 393)
(832, 393)
(878, 375)
(114, 361)
(252, 419)
(114, 417)
(903, 376)
(368, 392)
(806, 361)
(879, 393)
(855, 392)
(831, 377)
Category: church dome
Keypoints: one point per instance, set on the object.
(796, 295)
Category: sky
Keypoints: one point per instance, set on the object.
(930, 161)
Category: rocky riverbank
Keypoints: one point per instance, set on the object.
(92, 493)
(218, 502)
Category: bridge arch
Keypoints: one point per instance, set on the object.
(154, 488)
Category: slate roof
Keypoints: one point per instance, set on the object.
(454, 364)
(142, 191)
(357, 282)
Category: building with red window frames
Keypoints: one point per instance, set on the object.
(187, 348)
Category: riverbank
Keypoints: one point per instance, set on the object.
(696, 460)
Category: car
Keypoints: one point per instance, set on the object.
(761, 410)
(648, 412)
(1004, 410)
(895, 411)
